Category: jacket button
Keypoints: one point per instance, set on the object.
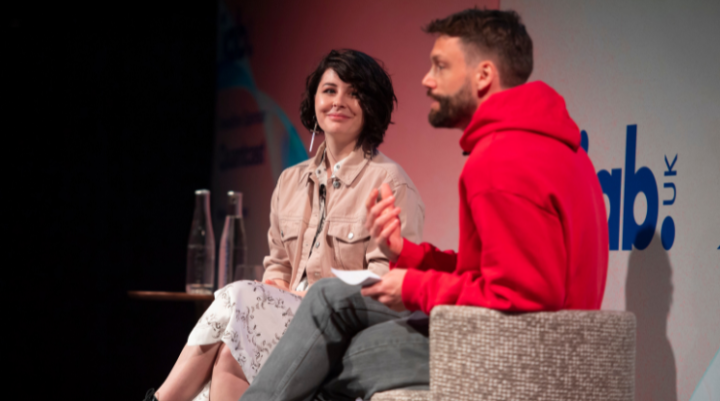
(282, 234)
(350, 236)
(317, 244)
(336, 184)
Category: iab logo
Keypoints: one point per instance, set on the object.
(637, 181)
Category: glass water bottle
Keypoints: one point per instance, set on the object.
(233, 248)
(201, 248)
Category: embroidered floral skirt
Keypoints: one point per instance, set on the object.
(250, 318)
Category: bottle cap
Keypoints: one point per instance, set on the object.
(234, 203)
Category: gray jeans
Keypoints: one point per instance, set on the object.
(341, 346)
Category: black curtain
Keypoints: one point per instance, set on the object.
(108, 133)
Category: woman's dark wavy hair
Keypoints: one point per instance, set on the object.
(374, 88)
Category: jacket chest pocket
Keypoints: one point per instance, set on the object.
(289, 231)
(350, 241)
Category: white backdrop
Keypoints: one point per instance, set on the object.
(653, 66)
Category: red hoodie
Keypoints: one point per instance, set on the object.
(533, 229)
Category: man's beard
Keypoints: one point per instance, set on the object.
(453, 109)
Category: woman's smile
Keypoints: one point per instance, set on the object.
(338, 117)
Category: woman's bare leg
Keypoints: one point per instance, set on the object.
(228, 380)
(190, 373)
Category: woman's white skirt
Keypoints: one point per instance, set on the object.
(250, 318)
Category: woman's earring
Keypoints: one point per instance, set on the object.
(313, 137)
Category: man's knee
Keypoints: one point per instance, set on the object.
(330, 291)
(325, 283)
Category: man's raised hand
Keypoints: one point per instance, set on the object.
(383, 223)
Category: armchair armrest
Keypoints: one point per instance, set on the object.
(483, 354)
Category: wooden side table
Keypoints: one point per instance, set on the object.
(202, 302)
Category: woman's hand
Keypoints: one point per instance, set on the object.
(278, 283)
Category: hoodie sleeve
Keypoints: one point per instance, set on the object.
(522, 267)
(425, 257)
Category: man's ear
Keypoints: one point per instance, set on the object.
(485, 76)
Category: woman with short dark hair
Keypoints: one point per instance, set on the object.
(316, 223)
(371, 85)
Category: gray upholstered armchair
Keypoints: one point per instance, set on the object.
(482, 354)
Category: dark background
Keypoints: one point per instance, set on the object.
(110, 131)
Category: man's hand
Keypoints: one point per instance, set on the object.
(383, 223)
(388, 290)
(278, 283)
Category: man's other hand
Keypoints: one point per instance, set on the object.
(383, 222)
(388, 290)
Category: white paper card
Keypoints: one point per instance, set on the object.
(356, 277)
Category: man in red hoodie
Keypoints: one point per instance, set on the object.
(533, 230)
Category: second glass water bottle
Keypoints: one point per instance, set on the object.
(233, 248)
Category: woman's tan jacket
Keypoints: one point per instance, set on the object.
(343, 242)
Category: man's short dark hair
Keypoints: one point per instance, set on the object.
(374, 88)
(500, 33)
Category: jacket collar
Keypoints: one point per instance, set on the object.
(345, 170)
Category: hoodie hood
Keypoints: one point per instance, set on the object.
(531, 107)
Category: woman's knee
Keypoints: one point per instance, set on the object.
(236, 284)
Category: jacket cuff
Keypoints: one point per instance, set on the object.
(275, 275)
(379, 268)
(410, 257)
